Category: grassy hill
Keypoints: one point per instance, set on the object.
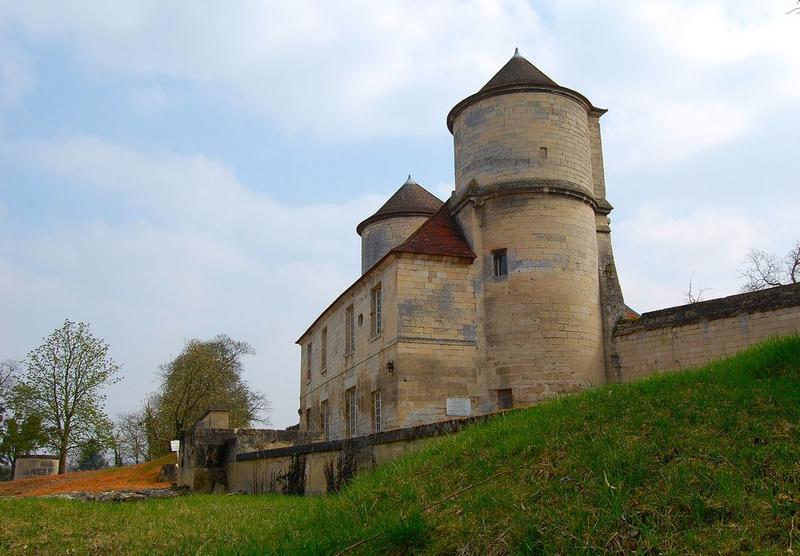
(705, 461)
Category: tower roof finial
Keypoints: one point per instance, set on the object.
(516, 53)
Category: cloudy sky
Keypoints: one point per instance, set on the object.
(172, 170)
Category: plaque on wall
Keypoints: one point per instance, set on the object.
(459, 407)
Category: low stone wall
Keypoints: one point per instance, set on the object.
(205, 453)
(256, 461)
(692, 335)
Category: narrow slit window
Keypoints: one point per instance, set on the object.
(308, 419)
(350, 411)
(323, 358)
(375, 311)
(308, 361)
(505, 398)
(377, 425)
(500, 262)
(349, 331)
(323, 418)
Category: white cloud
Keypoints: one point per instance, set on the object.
(149, 99)
(16, 75)
(658, 252)
(681, 76)
(203, 254)
(349, 68)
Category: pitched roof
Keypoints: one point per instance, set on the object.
(519, 71)
(439, 235)
(410, 200)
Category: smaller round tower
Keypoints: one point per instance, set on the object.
(395, 221)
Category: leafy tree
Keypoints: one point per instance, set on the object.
(64, 385)
(92, 455)
(766, 270)
(21, 436)
(205, 374)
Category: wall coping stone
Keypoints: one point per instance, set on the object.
(780, 297)
(386, 437)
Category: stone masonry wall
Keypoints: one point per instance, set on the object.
(380, 237)
(692, 335)
(541, 323)
(437, 341)
(501, 138)
(363, 369)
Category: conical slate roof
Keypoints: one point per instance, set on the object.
(518, 75)
(519, 71)
(410, 200)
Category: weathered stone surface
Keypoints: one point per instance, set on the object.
(168, 473)
(123, 495)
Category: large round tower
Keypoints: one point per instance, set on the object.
(530, 197)
(395, 221)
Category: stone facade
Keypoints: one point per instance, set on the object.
(530, 185)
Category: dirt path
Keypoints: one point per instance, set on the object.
(132, 477)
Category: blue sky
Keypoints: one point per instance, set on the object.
(171, 170)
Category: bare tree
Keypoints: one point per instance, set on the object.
(9, 374)
(767, 270)
(692, 296)
(131, 437)
(64, 385)
(794, 10)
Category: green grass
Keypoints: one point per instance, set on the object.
(704, 461)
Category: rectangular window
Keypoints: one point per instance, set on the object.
(375, 311)
(308, 419)
(349, 331)
(377, 426)
(505, 398)
(323, 418)
(308, 362)
(500, 261)
(323, 358)
(350, 411)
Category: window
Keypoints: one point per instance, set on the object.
(375, 311)
(500, 262)
(323, 358)
(324, 423)
(505, 398)
(308, 419)
(376, 411)
(542, 152)
(349, 331)
(308, 362)
(350, 411)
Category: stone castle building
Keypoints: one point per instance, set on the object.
(501, 296)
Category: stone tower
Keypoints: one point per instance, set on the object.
(395, 221)
(530, 197)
